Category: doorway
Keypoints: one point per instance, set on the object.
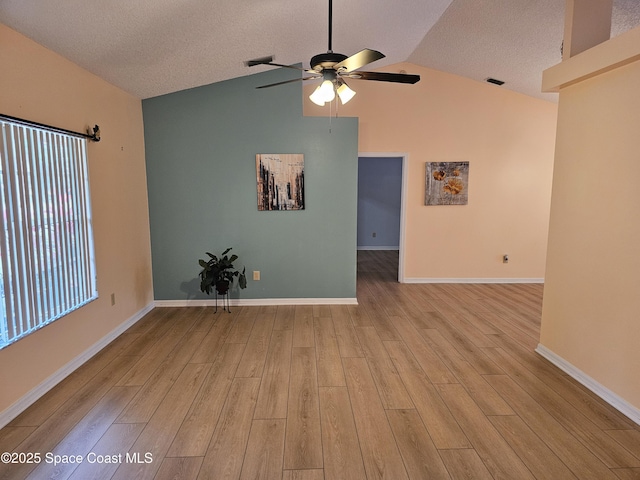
(381, 214)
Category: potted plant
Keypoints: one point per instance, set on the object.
(219, 273)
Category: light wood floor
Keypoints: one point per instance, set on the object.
(417, 381)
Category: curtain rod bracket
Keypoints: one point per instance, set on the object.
(95, 136)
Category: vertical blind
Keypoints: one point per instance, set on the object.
(47, 266)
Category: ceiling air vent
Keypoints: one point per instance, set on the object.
(494, 81)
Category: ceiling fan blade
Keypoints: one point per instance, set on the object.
(269, 61)
(385, 77)
(289, 81)
(358, 60)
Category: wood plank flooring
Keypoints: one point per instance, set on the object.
(415, 382)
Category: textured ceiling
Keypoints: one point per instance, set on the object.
(511, 40)
(154, 47)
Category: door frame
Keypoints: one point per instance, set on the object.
(403, 200)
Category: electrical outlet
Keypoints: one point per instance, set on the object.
(374, 234)
(256, 275)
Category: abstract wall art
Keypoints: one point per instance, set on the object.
(280, 181)
(447, 183)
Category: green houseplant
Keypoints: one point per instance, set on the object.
(219, 273)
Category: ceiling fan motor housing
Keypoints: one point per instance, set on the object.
(326, 60)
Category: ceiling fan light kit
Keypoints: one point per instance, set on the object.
(326, 91)
(332, 67)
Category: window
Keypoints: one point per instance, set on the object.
(47, 265)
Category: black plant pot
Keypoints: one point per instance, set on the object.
(222, 287)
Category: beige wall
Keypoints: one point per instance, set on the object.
(39, 85)
(508, 139)
(592, 294)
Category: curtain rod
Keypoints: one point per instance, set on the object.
(95, 136)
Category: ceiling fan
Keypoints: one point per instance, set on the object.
(333, 68)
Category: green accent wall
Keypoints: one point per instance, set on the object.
(200, 147)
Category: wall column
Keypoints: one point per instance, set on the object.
(587, 24)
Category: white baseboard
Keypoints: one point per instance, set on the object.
(257, 302)
(603, 392)
(396, 247)
(39, 390)
(473, 280)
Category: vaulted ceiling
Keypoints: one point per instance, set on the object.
(154, 47)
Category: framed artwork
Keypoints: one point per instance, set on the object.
(447, 183)
(280, 181)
